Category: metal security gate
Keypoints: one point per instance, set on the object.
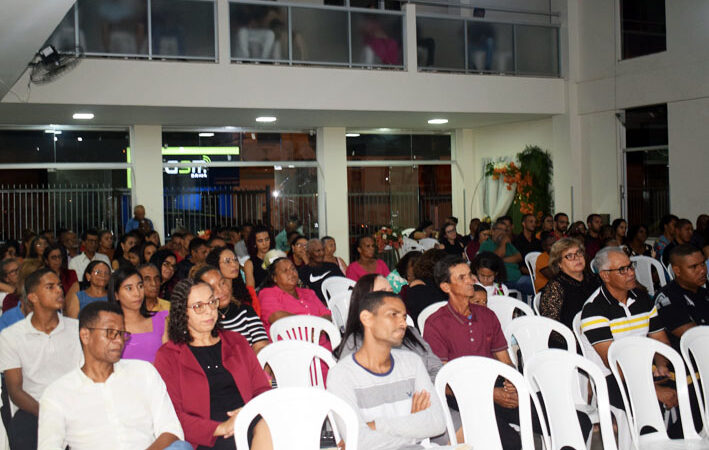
(52, 207)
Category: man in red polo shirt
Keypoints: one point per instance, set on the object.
(462, 328)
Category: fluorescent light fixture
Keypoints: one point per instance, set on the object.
(291, 166)
(277, 167)
(384, 129)
(266, 119)
(206, 134)
(438, 121)
(176, 151)
(229, 128)
(83, 116)
(53, 131)
(351, 134)
(80, 139)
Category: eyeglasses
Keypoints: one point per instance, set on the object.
(100, 272)
(112, 333)
(230, 261)
(200, 307)
(576, 255)
(622, 270)
(13, 271)
(301, 245)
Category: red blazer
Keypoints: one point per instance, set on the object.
(189, 390)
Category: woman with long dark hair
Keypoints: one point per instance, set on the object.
(354, 333)
(224, 259)
(620, 229)
(127, 242)
(259, 242)
(55, 258)
(635, 243)
(166, 262)
(490, 271)
(209, 373)
(452, 243)
(481, 235)
(147, 329)
(93, 288)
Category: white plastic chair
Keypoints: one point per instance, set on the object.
(536, 301)
(668, 269)
(643, 272)
(296, 363)
(635, 355)
(693, 345)
(530, 260)
(305, 328)
(531, 333)
(295, 417)
(505, 307)
(333, 286)
(428, 243)
(410, 321)
(340, 307)
(554, 373)
(472, 379)
(406, 232)
(593, 265)
(426, 313)
(409, 245)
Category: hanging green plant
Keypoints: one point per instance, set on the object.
(535, 197)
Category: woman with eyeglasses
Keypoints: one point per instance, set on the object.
(147, 329)
(93, 288)
(452, 243)
(224, 259)
(298, 251)
(55, 258)
(34, 256)
(166, 262)
(210, 374)
(564, 295)
(10, 286)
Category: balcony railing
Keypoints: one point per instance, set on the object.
(454, 44)
(316, 35)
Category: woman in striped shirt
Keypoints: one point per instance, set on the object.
(233, 314)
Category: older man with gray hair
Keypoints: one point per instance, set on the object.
(618, 310)
(317, 270)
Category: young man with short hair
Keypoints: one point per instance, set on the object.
(561, 225)
(36, 351)
(198, 254)
(388, 388)
(593, 241)
(683, 235)
(667, 224)
(108, 403)
(89, 240)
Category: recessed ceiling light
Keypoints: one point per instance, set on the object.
(352, 135)
(53, 131)
(266, 119)
(438, 121)
(206, 134)
(384, 129)
(83, 116)
(80, 139)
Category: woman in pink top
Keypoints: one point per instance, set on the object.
(281, 297)
(147, 329)
(366, 263)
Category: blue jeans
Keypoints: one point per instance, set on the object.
(179, 445)
(524, 285)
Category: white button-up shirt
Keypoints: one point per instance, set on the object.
(78, 263)
(129, 411)
(42, 357)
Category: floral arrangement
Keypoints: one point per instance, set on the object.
(204, 234)
(388, 237)
(513, 176)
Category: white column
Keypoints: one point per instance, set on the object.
(223, 32)
(333, 217)
(146, 155)
(465, 176)
(410, 47)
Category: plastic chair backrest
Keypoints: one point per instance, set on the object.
(426, 313)
(635, 355)
(530, 260)
(593, 265)
(532, 336)
(340, 307)
(295, 417)
(554, 373)
(428, 243)
(477, 409)
(693, 345)
(670, 272)
(333, 286)
(406, 232)
(505, 307)
(643, 272)
(410, 321)
(305, 328)
(536, 301)
(296, 363)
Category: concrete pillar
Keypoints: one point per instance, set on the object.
(146, 155)
(465, 177)
(333, 217)
(410, 47)
(223, 32)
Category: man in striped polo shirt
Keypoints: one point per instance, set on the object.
(618, 310)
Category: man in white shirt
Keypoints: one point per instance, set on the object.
(36, 351)
(89, 239)
(108, 403)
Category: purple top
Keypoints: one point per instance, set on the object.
(145, 345)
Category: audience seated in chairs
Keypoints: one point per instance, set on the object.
(424, 291)
(317, 270)
(98, 404)
(36, 351)
(452, 242)
(403, 273)
(667, 225)
(526, 241)
(55, 258)
(542, 271)
(410, 411)
(482, 233)
(635, 242)
(259, 242)
(151, 287)
(93, 288)
(683, 235)
(10, 283)
(166, 261)
(209, 373)
(500, 244)
(593, 241)
(489, 270)
(89, 242)
(561, 225)
(607, 316)
(330, 247)
(367, 261)
(227, 262)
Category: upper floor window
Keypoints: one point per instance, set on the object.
(642, 27)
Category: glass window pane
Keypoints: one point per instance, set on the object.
(643, 27)
(21, 146)
(33, 146)
(648, 179)
(178, 146)
(183, 28)
(63, 38)
(258, 32)
(398, 147)
(490, 47)
(431, 147)
(440, 43)
(376, 39)
(114, 26)
(537, 50)
(646, 126)
(319, 35)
